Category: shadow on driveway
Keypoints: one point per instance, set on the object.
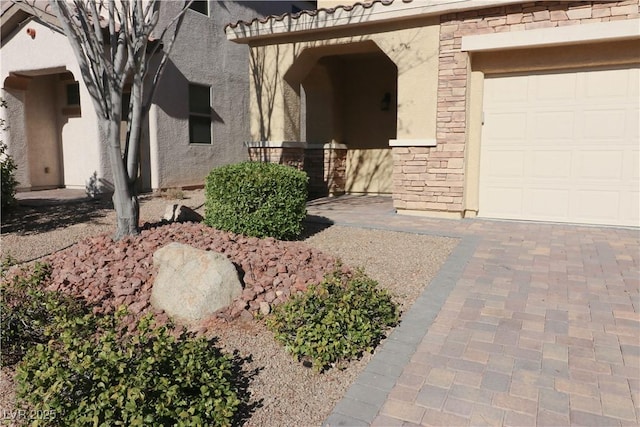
(34, 216)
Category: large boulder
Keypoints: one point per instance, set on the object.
(192, 284)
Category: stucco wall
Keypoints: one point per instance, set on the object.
(412, 50)
(42, 132)
(368, 128)
(345, 79)
(80, 136)
(321, 106)
(15, 135)
(203, 55)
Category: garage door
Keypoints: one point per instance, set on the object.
(562, 147)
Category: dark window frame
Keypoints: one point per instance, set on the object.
(200, 6)
(72, 94)
(197, 115)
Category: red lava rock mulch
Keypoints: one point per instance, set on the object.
(108, 274)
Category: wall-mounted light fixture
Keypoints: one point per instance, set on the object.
(31, 32)
(385, 103)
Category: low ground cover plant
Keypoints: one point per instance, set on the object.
(77, 368)
(145, 378)
(334, 321)
(27, 311)
(257, 199)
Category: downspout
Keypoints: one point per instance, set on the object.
(154, 148)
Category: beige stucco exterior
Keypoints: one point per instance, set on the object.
(51, 146)
(55, 145)
(413, 51)
(340, 105)
(443, 52)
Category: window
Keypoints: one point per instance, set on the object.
(200, 6)
(71, 99)
(199, 114)
(73, 94)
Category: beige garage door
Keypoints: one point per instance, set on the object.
(562, 147)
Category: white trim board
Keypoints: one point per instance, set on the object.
(574, 34)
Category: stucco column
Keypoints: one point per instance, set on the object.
(415, 53)
(472, 153)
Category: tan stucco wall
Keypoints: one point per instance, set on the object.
(339, 75)
(322, 109)
(13, 115)
(413, 50)
(41, 105)
(80, 140)
(365, 81)
(369, 171)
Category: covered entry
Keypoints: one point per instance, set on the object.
(562, 146)
(349, 100)
(41, 103)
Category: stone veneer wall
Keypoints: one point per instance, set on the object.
(290, 156)
(433, 178)
(326, 167)
(327, 170)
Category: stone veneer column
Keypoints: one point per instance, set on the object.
(326, 164)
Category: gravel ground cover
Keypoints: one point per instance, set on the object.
(283, 391)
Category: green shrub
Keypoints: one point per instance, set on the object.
(27, 310)
(8, 167)
(144, 378)
(334, 321)
(257, 199)
(8, 180)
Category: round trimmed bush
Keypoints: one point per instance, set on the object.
(257, 199)
(334, 321)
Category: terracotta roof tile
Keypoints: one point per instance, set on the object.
(331, 10)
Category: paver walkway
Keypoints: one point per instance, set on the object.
(526, 324)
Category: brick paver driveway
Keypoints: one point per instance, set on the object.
(526, 324)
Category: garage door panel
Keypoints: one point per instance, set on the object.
(505, 201)
(505, 126)
(550, 164)
(512, 90)
(630, 205)
(633, 168)
(567, 152)
(607, 84)
(633, 124)
(504, 164)
(604, 124)
(555, 87)
(597, 206)
(600, 164)
(548, 204)
(552, 125)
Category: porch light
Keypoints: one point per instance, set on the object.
(385, 103)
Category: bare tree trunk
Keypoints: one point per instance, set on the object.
(125, 200)
(105, 64)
